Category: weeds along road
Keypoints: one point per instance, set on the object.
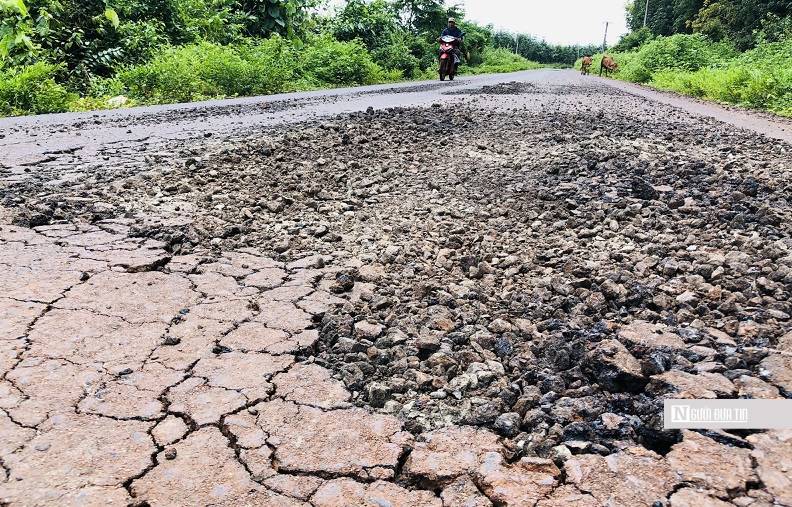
(467, 293)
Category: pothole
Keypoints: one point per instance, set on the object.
(498, 261)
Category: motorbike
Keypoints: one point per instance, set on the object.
(448, 60)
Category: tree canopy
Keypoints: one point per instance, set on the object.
(739, 21)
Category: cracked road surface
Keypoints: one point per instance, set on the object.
(302, 301)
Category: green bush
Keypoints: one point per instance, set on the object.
(104, 87)
(141, 40)
(177, 74)
(629, 67)
(477, 40)
(424, 50)
(774, 29)
(397, 57)
(633, 40)
(680, 51)
(374, 23)
(328, 62)
(273, 64)
(32, 90)
(760, 78)
(206, 70)
(500, 60)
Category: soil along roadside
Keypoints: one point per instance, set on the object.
(510, 280)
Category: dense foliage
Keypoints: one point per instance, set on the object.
(58, 55)
(540, 51)
(759, 78)
(693, 47)
(695, 65)
(738, 21)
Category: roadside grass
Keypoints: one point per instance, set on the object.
(691, 65)
(32, 89)
(206, 70)
(500, 60)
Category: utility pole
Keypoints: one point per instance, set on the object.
(646, 12)
(605, 39)
(517, 47)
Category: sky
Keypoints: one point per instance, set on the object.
(556, 21)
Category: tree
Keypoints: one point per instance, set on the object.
(16, 28)
(476, 39)
(426, 16)
(80, 34)
(374, 23)
(666, 17)
(265, 17)
(737, 20)
(633, 39)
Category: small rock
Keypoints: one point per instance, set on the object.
(615, 368)
(508, 424)
(368, 330)
(171, 340)
(378, 394)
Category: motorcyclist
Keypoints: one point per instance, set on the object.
(454, 31)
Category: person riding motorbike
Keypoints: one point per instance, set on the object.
(453, 31)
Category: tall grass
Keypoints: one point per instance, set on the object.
(199, 71)
(32, 89)
(690, 64)
(207, 70)
(496, 60)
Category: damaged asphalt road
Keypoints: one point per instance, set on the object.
(476, 295)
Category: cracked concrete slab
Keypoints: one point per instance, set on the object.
(348, 493)
(440, 456)
(203, 470)
(283, 315)
(77, 457)
(463, 492)
(773, 454)
(203, 403)
(137, 298)
(49, 385)
(350, 442)
(131, 395)
(635, 476)
(150, 385)
(702, 462)
(310, 384)
(248, 373)
(86, 337)
(522, 483)
(16, 317)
